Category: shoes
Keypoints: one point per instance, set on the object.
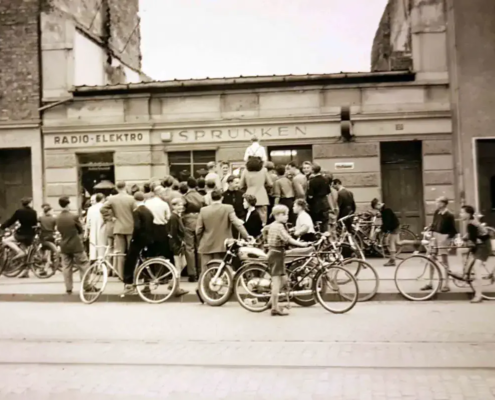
(192, 279)
(390, 263)
(477, 298)
(279, 312)
(69, 292)
(91, 289)
(180, 292)
(445, 289)
(129, 289)
(427, 287)
(24, 276)
(146, 289)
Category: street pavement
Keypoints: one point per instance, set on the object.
(53, 289)
(379, 350)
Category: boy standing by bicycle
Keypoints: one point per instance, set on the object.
(71, 245)
(277, 238)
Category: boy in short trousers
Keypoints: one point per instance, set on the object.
(278, 238)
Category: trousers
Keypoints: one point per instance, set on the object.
(79, 260)
(191, 244)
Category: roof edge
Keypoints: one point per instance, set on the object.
(249, 82)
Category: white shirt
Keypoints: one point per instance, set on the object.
(159, 209)
(303, 219)
(255, 150)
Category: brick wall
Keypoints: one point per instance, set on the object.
(117, 18)
(19, 60)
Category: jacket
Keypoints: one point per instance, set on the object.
(256, 184)
(28, 220)
(143, 225)
(70, 229)
(214, 226)
(120, 207)
(176, 234)
(345, 201)
(444, 223)
(235, 199)
(390, 222)
(318, 191)
(253, 224)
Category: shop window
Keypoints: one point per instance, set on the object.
(286, 154)
(184, 164)
(96, 175)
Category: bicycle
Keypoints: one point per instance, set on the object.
(41, 257)
(253, 285)
(412, 271)
(144, 277)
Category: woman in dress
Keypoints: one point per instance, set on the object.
(256, 180)
(479, 239)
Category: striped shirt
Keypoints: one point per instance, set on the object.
(277, 235)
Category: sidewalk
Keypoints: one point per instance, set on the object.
(53, 290)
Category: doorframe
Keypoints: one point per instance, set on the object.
(474, 152)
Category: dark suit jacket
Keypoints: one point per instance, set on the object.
(254, 224)
(235, 199)
(345, 200)
(70, 229)
(176, 233)
(143, 225)
(318, 191)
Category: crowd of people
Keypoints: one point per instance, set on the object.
(189, 222)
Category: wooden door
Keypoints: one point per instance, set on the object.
(402, 183)
(15, 180)
(485, 150)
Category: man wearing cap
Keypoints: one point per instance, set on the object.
(255, 150)
(213, 176)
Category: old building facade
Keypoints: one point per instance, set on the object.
(402, 148)
(45, 48)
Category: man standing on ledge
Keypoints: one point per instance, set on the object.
(255, 150)
(213, 176)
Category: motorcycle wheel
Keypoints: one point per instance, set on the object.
(210, 291)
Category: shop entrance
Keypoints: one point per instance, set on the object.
(485, 164)
(15, 180)
(96, 175)
(402, 181)
(286, 154)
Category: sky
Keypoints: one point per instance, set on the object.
(184, 39)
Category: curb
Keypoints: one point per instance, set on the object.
(190, 298)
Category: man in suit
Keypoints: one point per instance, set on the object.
(120, 207)
(318, 191)
(345, 201)
(214, 227)
(71, 246)
(142, 237)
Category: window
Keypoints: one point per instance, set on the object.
(284, 155)
(96, 175)
(183, 164)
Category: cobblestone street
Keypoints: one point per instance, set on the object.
(181, 351)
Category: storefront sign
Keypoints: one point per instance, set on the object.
(344, 165)
(96, 139)
(245, 133)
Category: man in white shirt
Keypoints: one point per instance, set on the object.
(161, 215)
(213, 176)
(255, 150)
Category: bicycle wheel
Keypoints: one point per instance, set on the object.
(216, 291)
(487, 277)
(93, 282)
(44, 261)
(334, 296)
(252, 288)
(156, 280)
(357, 245)
(366, 276)
(12, 269)
(418, 278)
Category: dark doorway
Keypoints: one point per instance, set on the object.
(96, 175)
(15, 179)
(485, 151)
(402, 181)
(286, 154)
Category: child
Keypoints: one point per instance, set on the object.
(47, 224)
(176, 239)
(304, 229)
(278, 238)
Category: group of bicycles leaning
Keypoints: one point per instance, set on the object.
(332, 270)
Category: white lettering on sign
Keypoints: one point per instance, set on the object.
(96, 139)
(344, 165)
(239, 133)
